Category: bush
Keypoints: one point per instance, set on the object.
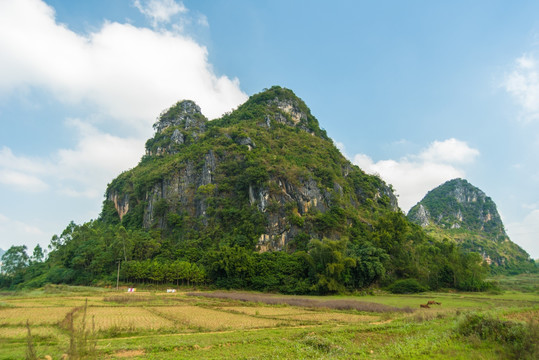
(406, 286)
(477, 285)
(521, 341)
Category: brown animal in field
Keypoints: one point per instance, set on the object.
(431, 302)
(424, 306)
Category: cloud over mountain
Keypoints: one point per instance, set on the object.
(413, 175)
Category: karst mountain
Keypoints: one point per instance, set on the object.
(462, 212)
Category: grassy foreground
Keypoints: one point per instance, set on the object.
(99, 323)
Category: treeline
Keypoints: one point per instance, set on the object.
(388, 251)
(156, 272)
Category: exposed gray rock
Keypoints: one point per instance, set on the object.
(185, 114)
(247, 141)
(422, 216)
(289, 199)
(210, 162)
(177, 137)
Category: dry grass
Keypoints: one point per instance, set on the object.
(129, 353)
(126, 318)
(36, 315)
(297, 314)
(325, 317)
(194, 316)
(128, 299)
(20, 332)
(57, 301)
(523, 315)
(305, 302)
(265, 311)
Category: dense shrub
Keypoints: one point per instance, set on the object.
(520, 340)
(477, 285)
(406, 286)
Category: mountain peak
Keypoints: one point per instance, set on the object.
(458, 204)
(180, 124)
(462, 212)
(185, 113)
(264, 176)
(279, 105)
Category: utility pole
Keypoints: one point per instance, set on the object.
(118, 276)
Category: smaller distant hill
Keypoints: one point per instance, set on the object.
(460, 211)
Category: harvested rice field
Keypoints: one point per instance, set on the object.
(37, 331)
(126, 318)
(108, 324)
(35, 315)
(214, 319)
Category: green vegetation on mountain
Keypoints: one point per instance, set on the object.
(258, 199)
(461, 212)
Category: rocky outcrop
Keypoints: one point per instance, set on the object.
(121, 203)
(185, 114)
(457, 204)
(301, 199)
(460, 211)
(261, 175)
(181, 124)
(422, 216)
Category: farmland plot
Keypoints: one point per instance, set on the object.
(36, 315)
(154, 325)
(211, 319)
(125, 318)
(18, 332)
(54, 301)
(303, 315)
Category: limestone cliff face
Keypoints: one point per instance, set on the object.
(181, 124)
(458, 204)
(265, 175)
(460, 211)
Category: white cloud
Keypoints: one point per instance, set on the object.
(532, 206)
(526, 233)
(125, 75)
(339, 145)
(27, 165)
(130, 74)
(451, 151)
(202, 20)
(22, 181)
(97, 159)
(21, 173)
(83, 171)
(14, 229)
(523, 84)
(159, 11)
(413, 176)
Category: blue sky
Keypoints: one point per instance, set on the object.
(419, 92)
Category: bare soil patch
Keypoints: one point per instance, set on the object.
(129, 353)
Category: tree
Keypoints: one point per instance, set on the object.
(231, 267)
(331, 265)
(123, 244)
(369, 264)
(37, 255)
(14, 260)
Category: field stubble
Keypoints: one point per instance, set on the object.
(177, 326)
